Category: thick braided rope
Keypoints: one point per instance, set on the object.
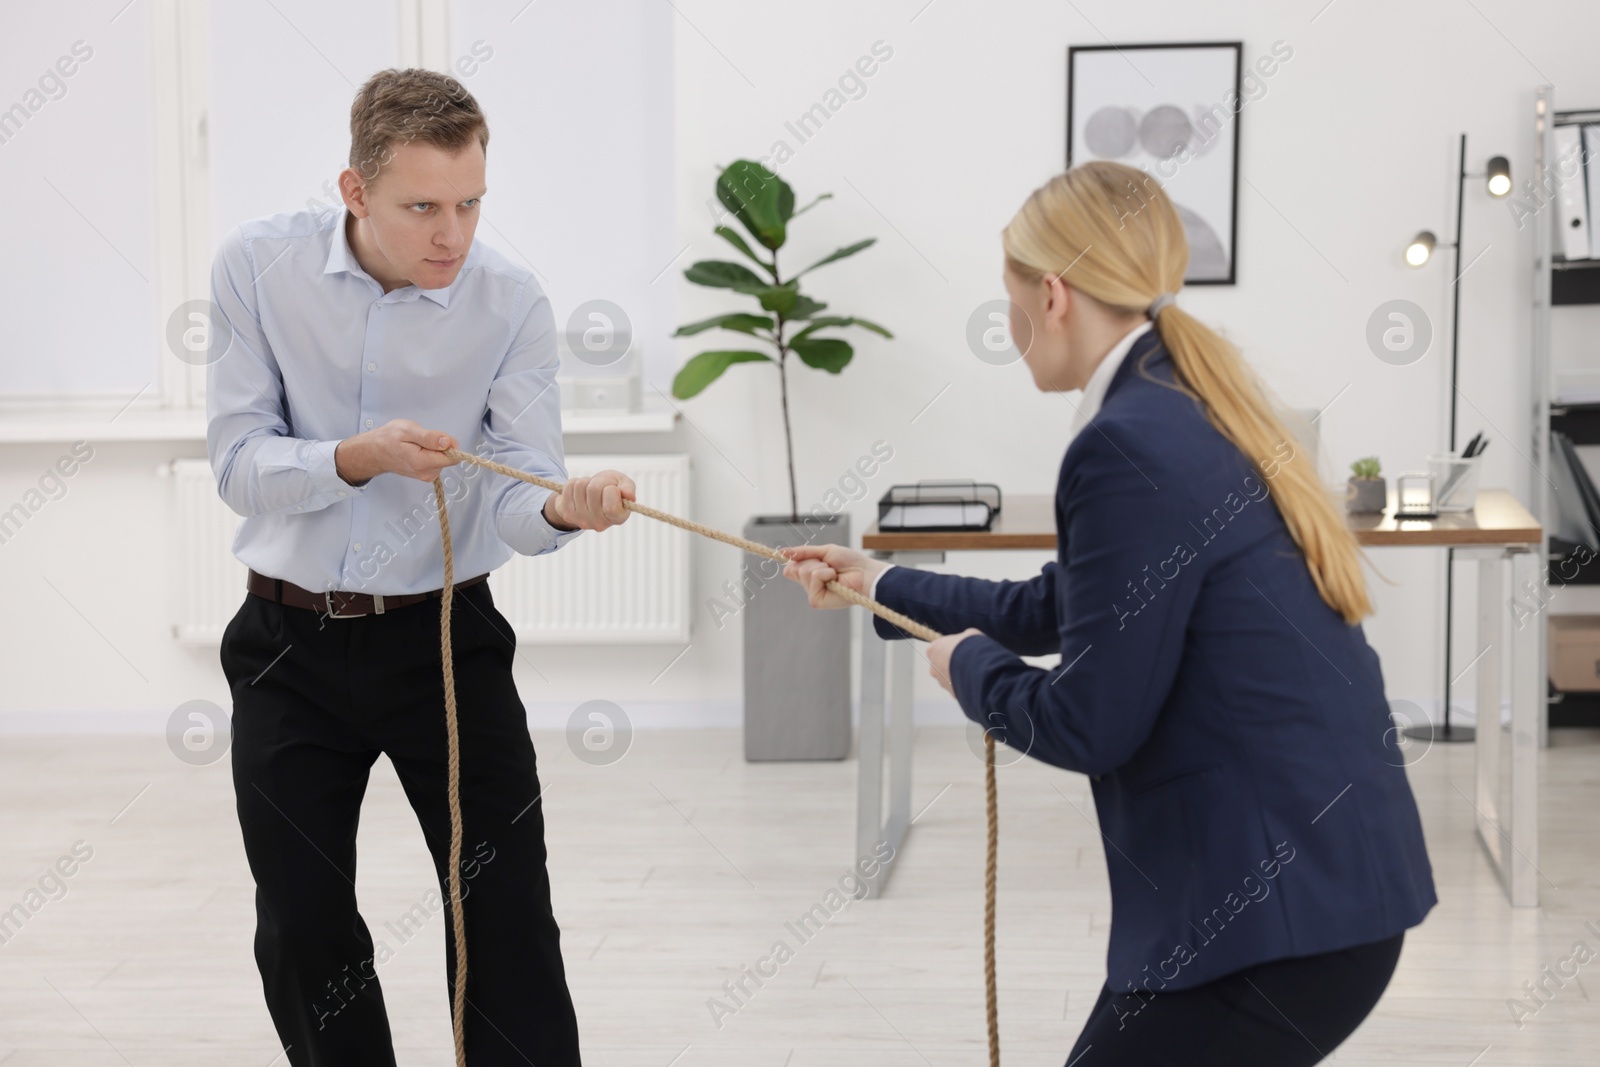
(910, 625)
(904, 622)
(453, 791)
(991, 997)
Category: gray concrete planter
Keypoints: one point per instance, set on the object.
(1368, 496)
(796, 658)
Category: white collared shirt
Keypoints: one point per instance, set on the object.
(1094, 390)
(318, 352)
(1094, 393)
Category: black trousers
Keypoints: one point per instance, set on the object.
(315, 700)
(1279, 1014)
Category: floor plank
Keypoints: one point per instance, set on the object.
(679, 865)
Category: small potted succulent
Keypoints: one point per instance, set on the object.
(1369, 492)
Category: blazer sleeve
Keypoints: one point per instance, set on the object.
(1021, 615)
(1127, 586)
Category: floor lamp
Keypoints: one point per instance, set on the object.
(1497, 182)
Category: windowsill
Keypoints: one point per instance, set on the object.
(103, 423)
(653, 416)
(97, 423)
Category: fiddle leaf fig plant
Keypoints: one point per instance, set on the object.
(788, 321)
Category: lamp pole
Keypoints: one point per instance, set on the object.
(1456, 733)
(1498, 185)
(1452, 731)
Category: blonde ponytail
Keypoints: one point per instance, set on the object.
(1117, 232)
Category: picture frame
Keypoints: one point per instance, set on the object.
(1172, 110)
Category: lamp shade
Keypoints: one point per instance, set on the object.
(1420, 250)
(1498, 176)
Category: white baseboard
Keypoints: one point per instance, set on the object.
(542, 715)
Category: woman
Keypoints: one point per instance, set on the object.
(1265, 858)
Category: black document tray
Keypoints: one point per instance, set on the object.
(933, 506)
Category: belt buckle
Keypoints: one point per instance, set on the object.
(327, 598)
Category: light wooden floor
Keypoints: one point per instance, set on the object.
(680, 865)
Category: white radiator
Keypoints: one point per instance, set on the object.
(210, 583)
(628, 584)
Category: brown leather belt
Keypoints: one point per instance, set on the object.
(338, 603)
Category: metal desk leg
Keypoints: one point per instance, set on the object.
(1527, 704)
(898, 660)
(1491, 654)
(869, 755)
(1509, 834)
(902, 661)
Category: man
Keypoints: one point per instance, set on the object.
(364, 340)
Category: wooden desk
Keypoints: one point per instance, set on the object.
(1029, 521)
(1498, 519)
(1498, 530)
(1025, 521)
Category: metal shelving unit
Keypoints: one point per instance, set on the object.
(1558, 282)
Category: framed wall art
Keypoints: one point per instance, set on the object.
(1171, 110)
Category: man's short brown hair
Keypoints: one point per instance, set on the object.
(396, 107)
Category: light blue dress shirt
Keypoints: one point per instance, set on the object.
(318, 352)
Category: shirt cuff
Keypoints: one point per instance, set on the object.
(529, 532)
(560, 536)
(872, 589)
(323, 472)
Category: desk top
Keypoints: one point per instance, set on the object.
(1029, 521)
(1498, 519)
(1025, 521)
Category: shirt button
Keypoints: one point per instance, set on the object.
(357, 546)
(341, 492)
(369, 422)
(372, 366)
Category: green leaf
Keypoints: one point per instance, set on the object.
(805, 307)
(824, 353)
(814, 203)
(849, 250)
(733, 320)
(706, 368)
(731, 235)
(788, 301)
(720, 274)
(841, 320)
(759, 198)
(779, 298)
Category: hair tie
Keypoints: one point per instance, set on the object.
(1164, 300)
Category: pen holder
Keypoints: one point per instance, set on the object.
(1455, 481)
(1414, 493)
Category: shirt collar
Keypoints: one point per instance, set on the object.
(341, 257)
(1094, 391)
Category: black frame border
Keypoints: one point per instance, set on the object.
(1238, 118)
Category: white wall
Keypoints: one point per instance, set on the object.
(79, 212)
(580, 103)
(1351, 150)
(332, 48)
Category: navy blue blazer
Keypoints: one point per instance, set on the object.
(1233, 726)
